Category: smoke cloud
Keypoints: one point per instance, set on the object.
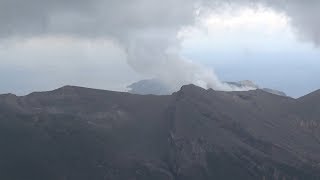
(146, 29)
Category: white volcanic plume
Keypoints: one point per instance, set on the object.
(146, 29)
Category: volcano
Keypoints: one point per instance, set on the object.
(77, 133)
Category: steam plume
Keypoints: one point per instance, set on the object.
(146, 29)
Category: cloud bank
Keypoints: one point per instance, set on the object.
(145, 29)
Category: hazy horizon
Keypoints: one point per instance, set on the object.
(107, 44)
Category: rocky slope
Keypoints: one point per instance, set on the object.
(77, 133)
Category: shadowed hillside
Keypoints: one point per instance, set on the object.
(77, 133)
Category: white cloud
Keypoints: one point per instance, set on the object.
(246, 18)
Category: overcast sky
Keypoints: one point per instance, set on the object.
(108, 44)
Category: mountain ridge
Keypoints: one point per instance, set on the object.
(105, 90)
(194, 134)
(158, 87)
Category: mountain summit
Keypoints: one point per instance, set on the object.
(78, 133)
(158, 87)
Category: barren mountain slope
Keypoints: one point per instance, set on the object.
(78, 133)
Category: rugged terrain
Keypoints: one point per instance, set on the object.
(75, 133)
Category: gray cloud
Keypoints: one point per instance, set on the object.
(91, 18)
(304, 17)
(145, 29)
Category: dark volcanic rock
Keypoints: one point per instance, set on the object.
(77, 133)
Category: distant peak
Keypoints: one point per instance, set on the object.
(191, 89)
(191, 86)
(70, 88)
(62, 90)
(65, 88)
(8, 95)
